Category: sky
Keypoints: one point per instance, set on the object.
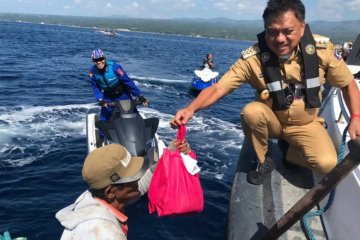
(330, 10)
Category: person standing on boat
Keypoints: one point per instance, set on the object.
(111, 83)
(346, 48)
(208, 62)
(113, 176)
(287, 67)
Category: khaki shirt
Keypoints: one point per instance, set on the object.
(247, 69)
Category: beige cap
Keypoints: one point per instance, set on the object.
(111, 164)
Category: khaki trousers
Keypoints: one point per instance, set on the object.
(309, 145)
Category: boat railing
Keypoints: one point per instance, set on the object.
(344, 111)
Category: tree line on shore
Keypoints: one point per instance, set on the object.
(216, 27)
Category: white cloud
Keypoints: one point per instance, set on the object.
(184, 4)
(331, 8)
(241, 6)
(158, 1)
(354, 5)
(246, 7)
(235, 9)
(135, 5)
(222, 6)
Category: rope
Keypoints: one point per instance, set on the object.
(306, 218)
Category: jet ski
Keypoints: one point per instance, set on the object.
(203, 78)
(127, 127)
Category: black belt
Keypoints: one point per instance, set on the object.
(115, 92)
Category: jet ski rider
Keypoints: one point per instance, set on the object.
(111, 83)
(208, 62)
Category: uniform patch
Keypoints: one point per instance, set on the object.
(337, 53)
(265, 56)
(91, 74)
(251, 51)
(321, 42)
(310, 49)
(120, 72)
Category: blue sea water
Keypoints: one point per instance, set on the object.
(45, 97)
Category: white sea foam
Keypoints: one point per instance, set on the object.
(30, 132)
(156, 79)
(39, 128)
(205, 134)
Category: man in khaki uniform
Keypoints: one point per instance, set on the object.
(287, 67)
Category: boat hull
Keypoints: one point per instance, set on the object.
(342, 218)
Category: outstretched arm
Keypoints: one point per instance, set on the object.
(352, 98)
(205, 99)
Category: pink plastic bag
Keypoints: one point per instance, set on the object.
(173, 190)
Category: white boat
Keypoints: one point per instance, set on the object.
(254, 210)
(342, 219)
(128, 128)
(108, 32)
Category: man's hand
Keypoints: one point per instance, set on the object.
(181, 117)
(183, 146)
(354, 128)
(206, 98)
(144, 101)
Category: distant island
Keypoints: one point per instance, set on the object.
(215, 28)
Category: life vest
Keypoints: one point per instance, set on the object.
(274, 80)
(108, 82)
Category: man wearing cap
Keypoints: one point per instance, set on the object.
(111, 83)
(115, 178)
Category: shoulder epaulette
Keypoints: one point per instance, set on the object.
(321, 41)
(251, 51)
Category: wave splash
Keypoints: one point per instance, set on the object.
(29, 133)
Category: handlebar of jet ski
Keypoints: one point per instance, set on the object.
(135, 101)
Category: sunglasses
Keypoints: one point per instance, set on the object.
(98, 60)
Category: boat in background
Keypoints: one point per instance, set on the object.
(254, 209)
(203, 79)
(109, 32)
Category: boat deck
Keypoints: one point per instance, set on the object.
(254, 209)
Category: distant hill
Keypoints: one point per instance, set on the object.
(338, 31)
(216, 27)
